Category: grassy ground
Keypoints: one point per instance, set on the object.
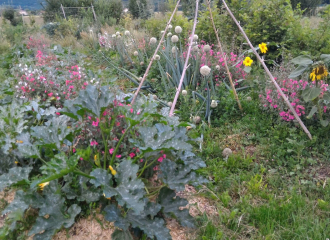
(274, 186)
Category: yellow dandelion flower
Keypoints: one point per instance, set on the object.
(42, 185)
(247, 62)
(113, 171)
(263, 47)
(318, 73)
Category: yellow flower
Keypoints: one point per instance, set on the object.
(16, 162)
(263, 47)
(109, 198)
(42, 185)
(19, 141)
(318, 73)
(113, 171)
(247, 62)
(97, 161)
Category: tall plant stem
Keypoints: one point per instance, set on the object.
(118, 144)
(223, 56)
(268, 73)
(186, 62)
(153, 57)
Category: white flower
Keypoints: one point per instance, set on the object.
(153, 40)
(174, 49)
(113, 35)
(118, 36)
(195, 37)
(214, 104)
(169, 34)
(157, 57)
(205, 70)
(207, 48)
(196, 119)
(249, 99)
(154, 97)
(217, 67)
(117, 33)
(127, 33)
(141, 63)
(226, 152)
(140, 79)
(136, 53)
(178, 29)
(174, 38)
(170, 26)
(195, 48)
(162, 32)
(169, 104)
(184, 92)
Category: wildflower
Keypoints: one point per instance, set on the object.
(113, 35)
(178, 29)
(174, 38)
(184, 92)
(160, 159)
(169, 104)
(94, 143)
(162, 32)
(132, 155)
(195, 38)
(214, 104)
(205, 70)
(263, 47)
(136, 53)
(117, 33)
(141, 160)
(127, 33)
(42, 185)
(95, 124)
(195, 48)
(318, 73)
(217, 67)
(157, 57)
(111, 151)
(118, 156)
(170, 26)
(247, 62)
(16, 162)
(153, 40)
(207, 48)
(131, 110)
(169, 34)
(113, 171)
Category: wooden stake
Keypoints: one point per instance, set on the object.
(268, 72)
(178, 90)
(153, 57)
(93, 12)
(224, 57)
(63, 11)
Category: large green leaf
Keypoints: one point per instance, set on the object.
(54, 132)
(312, 112)
(325, 57)
(14, 175)
(93, 100)
(302, 60)
(121, 235)
(171, 206)
(190, 159)
(310, 94)
(298, 71)
(152, 227)
(176, 176)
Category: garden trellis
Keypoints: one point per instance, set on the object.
(75, 9)
(219, 43)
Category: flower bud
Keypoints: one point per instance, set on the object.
(184, 92)
(169, 104)
(178, 29)
(136, 53)
(153, 40)
(214, 104)
(127, 33)
(174, 39)
(205, 70)
(207, 48)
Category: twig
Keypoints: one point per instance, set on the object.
(268, 72)
(223, 56)
(186, 62)
(153, 57)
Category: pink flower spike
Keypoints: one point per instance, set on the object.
(111, 151)
(118, 156)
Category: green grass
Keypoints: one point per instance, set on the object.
(271, 187)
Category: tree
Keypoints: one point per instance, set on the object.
(133, 8)
(308, 5)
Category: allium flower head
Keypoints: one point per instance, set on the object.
(117, 33)
(161, 32)
(195, 38)
(178, 29)
(207, 48)
(247, 62)
(157, 57)
(113, 35)
(153, 40)
(136, 53)
(205, 70)
(184, 92)
(214, 104)
(174, 38)
(195, 48)
(217, 67)
(169, 34)
(263, 47)
(170, 26)
(127, 33)
(174, 49)
(169, 104)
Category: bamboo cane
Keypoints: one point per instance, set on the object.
(186, 62)
(224, 58)
(268, 72)
(153, 57)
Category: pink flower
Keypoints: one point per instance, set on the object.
(57, 113)
(81, 159)
(94, 143)
(111, 151)
(164, 156)
(160, 159)
(118, 156)
(73, 150)
(123, 131)
(141, 160)
(131, 110)
(95, 124)
(132, 155)
(50, 94)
